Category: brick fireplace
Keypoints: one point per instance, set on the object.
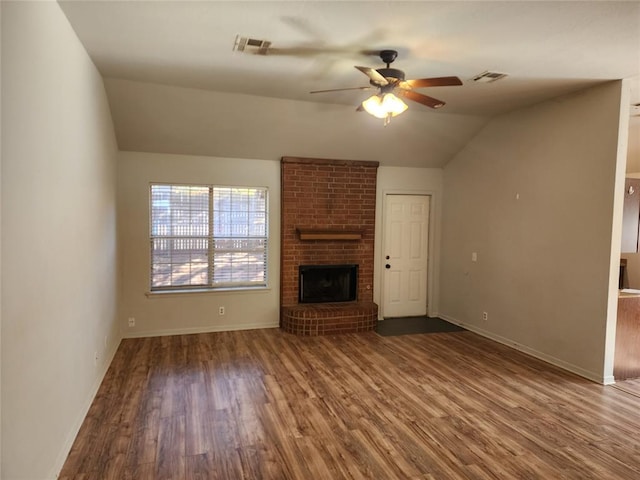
(328, 219)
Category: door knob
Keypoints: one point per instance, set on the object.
(387, 266)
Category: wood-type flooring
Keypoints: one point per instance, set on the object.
(630, 386)
(264, 404)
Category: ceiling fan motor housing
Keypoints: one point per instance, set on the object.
(390, 73)
(388, 56)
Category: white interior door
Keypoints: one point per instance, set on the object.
(405, 255)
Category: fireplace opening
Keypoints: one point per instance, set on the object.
(328, 283)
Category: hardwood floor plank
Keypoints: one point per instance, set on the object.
(630, 386)
(142, 471)
(198, 433)
(198, 467)
(224, 432)
(170, 460)
(285, 442)
(268, 405)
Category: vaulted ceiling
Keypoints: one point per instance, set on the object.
(162, 60)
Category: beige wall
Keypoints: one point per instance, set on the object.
(410, 181)
(533, 195)
(58, 272)
(168, 119)
(161, 314)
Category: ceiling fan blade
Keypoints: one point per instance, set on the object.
(373, 75)
(420, 98)
(341, 89)
(360, 108)
(433, 82)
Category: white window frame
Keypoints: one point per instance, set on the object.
(212, 251)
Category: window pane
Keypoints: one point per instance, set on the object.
(179, 262)
(179, 210)
(239, 212)
(257, 224)
(240, 261)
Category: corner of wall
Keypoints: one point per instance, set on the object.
(616, 228)
(516, 196)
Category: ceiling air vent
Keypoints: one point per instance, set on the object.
(251, 45)
(488, 77)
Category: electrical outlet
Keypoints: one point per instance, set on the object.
(132, 322)
(485, 316)
(220, 310)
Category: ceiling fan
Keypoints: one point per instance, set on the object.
(391, 84)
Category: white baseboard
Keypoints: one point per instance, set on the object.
(593, 376)
(75, 427)
(203, 329)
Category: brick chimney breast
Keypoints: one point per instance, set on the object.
(328, 218)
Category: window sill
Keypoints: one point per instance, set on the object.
(205, 291)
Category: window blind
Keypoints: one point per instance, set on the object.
(208, 236)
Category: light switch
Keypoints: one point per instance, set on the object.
(474, 257)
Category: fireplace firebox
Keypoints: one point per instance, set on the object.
(328, 283)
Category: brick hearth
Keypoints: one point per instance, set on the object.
(328, 218)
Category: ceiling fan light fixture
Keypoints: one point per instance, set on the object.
(384, 106)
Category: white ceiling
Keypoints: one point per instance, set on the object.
(547, 48)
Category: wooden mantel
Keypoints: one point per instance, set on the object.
(326, 234)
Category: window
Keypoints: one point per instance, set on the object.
(205, 236)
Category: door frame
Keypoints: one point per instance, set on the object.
(433, 245)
